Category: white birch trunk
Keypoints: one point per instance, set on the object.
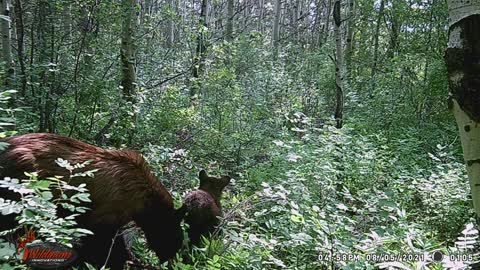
(6, 46)
(462, 50)
(471, 150)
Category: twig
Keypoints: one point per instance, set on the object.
(169, 78)
(110, 250)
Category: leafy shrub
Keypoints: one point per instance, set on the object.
(39, 204)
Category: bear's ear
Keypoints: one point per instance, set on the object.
(226, 180)
(202, 176)
(180, 213)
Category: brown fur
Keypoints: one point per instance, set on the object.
(123, 189)
(203, 206)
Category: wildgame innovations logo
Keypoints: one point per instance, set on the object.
(43, 255)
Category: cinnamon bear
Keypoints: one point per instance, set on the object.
(122, 189)
(203, 206)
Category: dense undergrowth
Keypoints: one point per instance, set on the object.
(356, 194)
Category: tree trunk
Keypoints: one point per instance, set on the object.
(199, 60)
(338, 66)
(229, 28)
(295, 18)
(375, 42)
(261, 9)
(246, 14)
(276, 24)
(43, 35)
(424, 109)
(317, 22)
(128, 65)
(6, 46)
(350, 31)
(169, 34)
(128, 53)
(461, 56)
(326, 31)
(20, 46)
(180, 14)
(429, 39)
(395, 26)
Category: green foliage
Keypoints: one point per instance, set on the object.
(7, 115)
(38, 205)
(351, 196)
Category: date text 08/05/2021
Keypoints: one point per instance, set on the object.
(411, 257)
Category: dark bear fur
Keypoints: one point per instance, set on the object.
(203, 206)
(123, 189)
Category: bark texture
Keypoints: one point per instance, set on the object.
(170, 33)
(276, 23)
(230, 15)
(128, 53)
(338, 66)
(6, 46)
(463, 63)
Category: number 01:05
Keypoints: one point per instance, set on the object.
(461, 257)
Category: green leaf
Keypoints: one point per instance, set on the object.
(298, 219)
(43, 184)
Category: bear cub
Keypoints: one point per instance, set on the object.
(203, 206)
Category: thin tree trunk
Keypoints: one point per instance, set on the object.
(179, 12)
(170, 34)
(294, 19)
(327, 23)
(128, 53)
(350, 31)
(246, 13)
(33, 44)
(20, 46)
(6, 46)
(392, 47)
(337, 21)
(44, 20)
(67, 18)
(199, 61)
(424, 109)
(261, 9)
(317, 22)
(128, 63)
(429, 39)
(89, 29)
(200, 53)
(338, 66)
(229, 28)
(375, 42)
(395, 26)
(301, 18)
(461, 56)
(51, 104)
(276, 24)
